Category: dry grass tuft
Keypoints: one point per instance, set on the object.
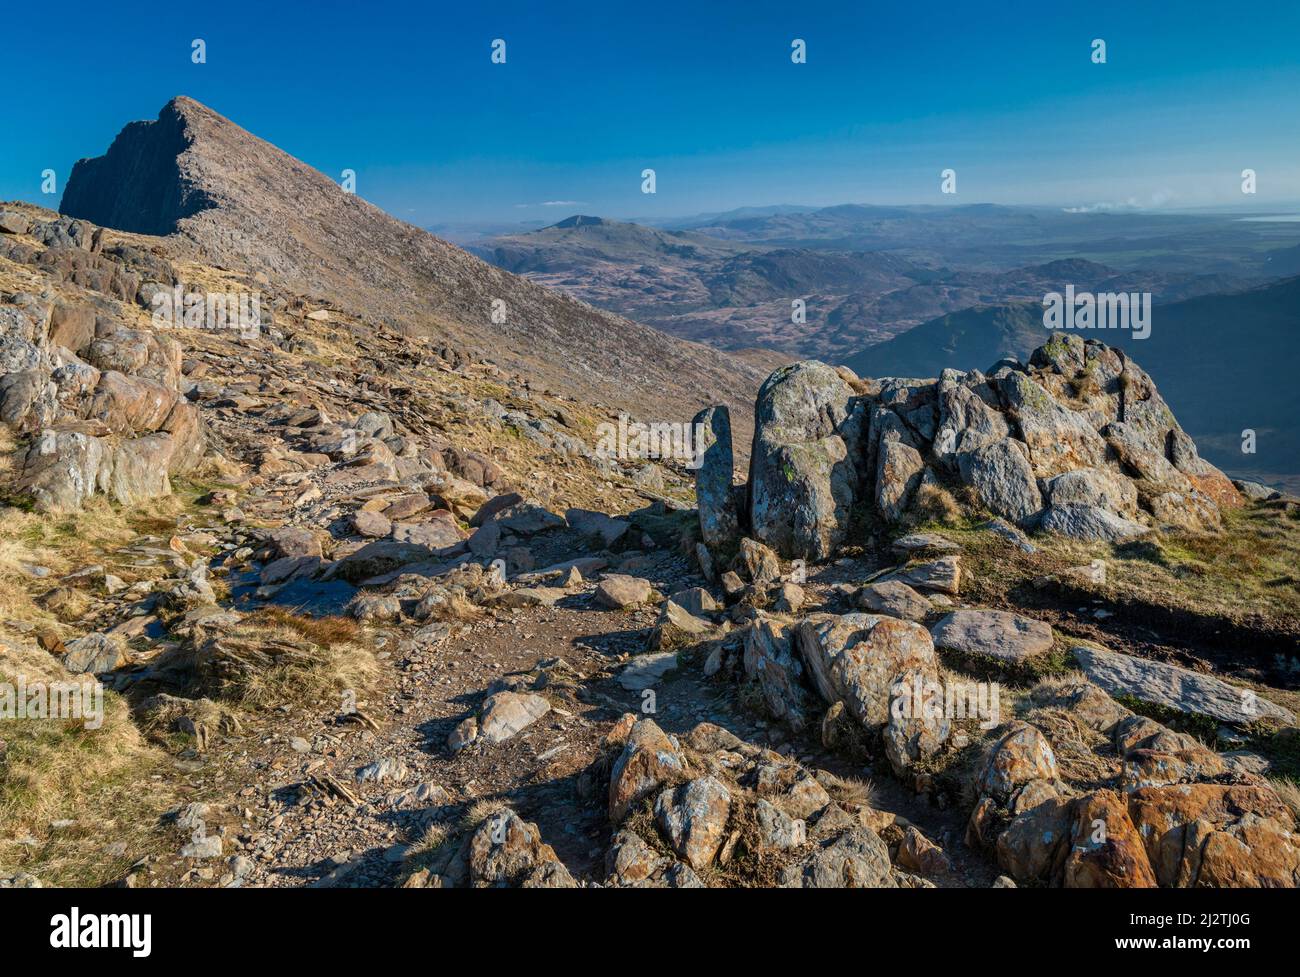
(108, 780)
(480, 811)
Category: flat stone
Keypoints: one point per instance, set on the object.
(1176, 687)
(647, 671)
(508, 713)
(620, 591)
(589, 523)
(997, 634)
(895, 598)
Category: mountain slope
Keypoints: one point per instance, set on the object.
(243, 203)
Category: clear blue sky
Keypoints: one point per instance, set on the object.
(704, 92)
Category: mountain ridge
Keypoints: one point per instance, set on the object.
(270, 213)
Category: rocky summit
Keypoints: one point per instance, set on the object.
(347, 593)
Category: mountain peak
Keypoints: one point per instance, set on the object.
(579, 220)
(247, 205)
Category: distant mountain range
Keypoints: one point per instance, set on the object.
(733, 283)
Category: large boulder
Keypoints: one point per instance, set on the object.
(803, 473)
(878, 667)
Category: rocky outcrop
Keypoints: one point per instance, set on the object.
(1077, 443)
(100, 401)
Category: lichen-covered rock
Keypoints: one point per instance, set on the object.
(803, 474)
(1003, 479)
(693, 817)
(868, 661)
(719, 518)
(1106, 851)
(854, 859)
(1021, 755)
(648, 761)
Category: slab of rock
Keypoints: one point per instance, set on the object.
(620, 591)
(997, 634)
(532, 597)
(507, 713)
(94, 653)
(1089, 522)
(647, 671)
(371, 524)
(715, 499)
(591, 523)
(676, 627)
(915, 543)
(895, 598)
(1177, 688)
(696, 600)
(943, 575)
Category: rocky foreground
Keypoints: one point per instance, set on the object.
(374, 611)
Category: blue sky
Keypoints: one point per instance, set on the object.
(703, 92)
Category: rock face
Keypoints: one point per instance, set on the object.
(101, 401)
(137, 185)
(719, 515)
(1077, 443)
(803, 471)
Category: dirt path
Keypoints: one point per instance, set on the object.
(550, 773)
